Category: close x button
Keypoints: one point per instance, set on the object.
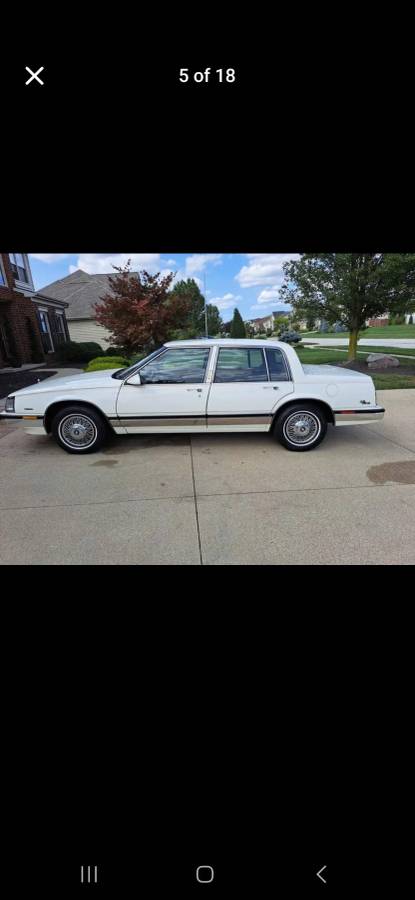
(34, 76)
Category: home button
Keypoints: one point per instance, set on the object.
(205, 874)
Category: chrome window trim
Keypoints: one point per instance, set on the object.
(266, 362)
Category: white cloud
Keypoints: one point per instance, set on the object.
(181, 275)
(269, 295)
(263, 269)
(228, 301)
(101, 263)
(266, 308)
(262, 307)
(49, 257)
(198, 262)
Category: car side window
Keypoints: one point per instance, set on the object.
(237, 364)
(184, 366)
(277, 366)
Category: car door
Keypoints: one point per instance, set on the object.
(172, 395)
(247, 385)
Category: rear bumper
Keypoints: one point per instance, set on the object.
(358, 416)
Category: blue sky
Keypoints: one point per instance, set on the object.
(248, 281)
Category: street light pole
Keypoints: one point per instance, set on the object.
(206, 321)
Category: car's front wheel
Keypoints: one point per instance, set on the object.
(79, 429)
(301, 426)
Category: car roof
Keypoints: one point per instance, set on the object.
(225, 342)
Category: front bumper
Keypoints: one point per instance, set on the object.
(29, 424)
(358, 416)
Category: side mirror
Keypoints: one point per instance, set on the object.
(135, 379)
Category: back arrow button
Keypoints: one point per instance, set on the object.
(319, 875)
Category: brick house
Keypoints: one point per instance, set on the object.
(30, 326)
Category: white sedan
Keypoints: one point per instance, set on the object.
(199, 386)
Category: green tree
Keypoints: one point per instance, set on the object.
(237, 327)
(189, 292)
(139, 309)
(214, 320)
(350, 287)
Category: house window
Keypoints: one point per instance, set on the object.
(45, 330)
(60, 327)
(20, 267)
(2, 275)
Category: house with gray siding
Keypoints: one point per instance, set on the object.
(80, 291)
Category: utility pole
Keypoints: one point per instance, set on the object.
(206, 321)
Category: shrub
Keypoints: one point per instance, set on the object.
(106, 362)
(75, 351)
(113, 351)
(290, 337)
(92, 345)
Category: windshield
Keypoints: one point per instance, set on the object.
(124, 373)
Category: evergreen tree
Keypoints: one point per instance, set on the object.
(237, 328)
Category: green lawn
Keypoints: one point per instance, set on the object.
(389, 382)
(324, 356)
(389, 331)
(402, 351)
(332, 355)
(321, 356)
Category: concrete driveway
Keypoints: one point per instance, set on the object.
(216, 500)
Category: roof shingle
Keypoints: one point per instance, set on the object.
(80, 291)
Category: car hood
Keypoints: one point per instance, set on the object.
(83, 380)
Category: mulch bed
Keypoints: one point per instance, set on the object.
(16, 380)
(360, 366)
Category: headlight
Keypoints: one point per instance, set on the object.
(9, 407)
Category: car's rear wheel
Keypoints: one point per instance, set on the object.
(79, 429)
(301, 426)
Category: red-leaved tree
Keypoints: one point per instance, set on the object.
(139, 310)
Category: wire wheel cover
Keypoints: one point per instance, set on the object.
(77, 431)
(302, 427)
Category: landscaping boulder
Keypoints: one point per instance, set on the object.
(381, 361)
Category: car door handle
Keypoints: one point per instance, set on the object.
(198, 390)
(271, 387)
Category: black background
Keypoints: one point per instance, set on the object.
(253, 720)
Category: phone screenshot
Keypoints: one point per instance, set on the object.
(207, 459)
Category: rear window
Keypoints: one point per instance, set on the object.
(277, 365)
